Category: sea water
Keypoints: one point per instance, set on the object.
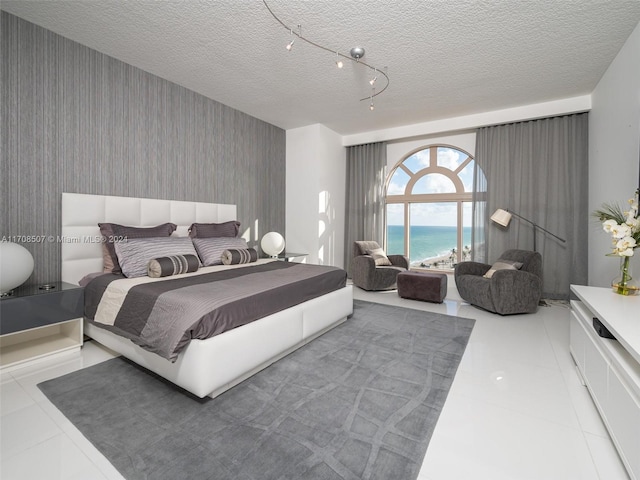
(426, 241)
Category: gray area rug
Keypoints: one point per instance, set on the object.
(360, 402)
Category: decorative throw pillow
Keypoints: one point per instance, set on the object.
(173, 265)
(112, 232)
(379, 257)
(210, 250)
(210, 230)
(234, 256)
(135, 254)
(502, 265)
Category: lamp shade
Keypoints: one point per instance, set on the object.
(501, 217)
(16, 265)
(272, 244)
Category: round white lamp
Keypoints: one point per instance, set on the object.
(16, 265)
(272, 244)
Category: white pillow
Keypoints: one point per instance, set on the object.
(502, 265)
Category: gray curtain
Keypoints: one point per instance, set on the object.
(539, 170)
(365, 211)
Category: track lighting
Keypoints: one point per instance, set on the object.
(357, 53)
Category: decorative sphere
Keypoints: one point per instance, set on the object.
(16, 265)
(272, 244)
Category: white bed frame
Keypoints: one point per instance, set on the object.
(205, 367)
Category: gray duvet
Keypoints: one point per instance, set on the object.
(163, 316)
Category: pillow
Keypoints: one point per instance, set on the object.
(234, 256)
(209, 230)
(502, 265)
(379, 257)
(210, 250)
(112, 232)
(135, 254)
(174, 265)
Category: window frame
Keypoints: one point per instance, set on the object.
(460, 196)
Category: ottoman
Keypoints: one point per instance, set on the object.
(425, 286)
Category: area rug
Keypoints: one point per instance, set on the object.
(359, 402)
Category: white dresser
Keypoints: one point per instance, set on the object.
(610, 368)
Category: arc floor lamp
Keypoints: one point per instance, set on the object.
(503, 217)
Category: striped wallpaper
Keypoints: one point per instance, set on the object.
(76, 120)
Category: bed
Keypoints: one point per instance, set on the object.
(205, 367)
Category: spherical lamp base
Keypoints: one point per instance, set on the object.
(272, 244)
(16, 266)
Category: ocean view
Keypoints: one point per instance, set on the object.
(426, 241)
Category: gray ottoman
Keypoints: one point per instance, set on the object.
(425, 286)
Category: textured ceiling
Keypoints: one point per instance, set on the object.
(445, 58)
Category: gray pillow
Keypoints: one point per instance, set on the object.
(210, 250)
(135, 254)
(209, 230)
(502, 265)
(173, 265)
(113, 232)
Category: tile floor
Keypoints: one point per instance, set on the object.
(516, 410)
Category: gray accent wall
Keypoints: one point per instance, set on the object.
(76, 120)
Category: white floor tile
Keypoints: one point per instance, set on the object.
(606, 458)
(13, 397)
(475, 439)
(55, 458)
(25, 428)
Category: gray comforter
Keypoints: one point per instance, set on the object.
(163, 316)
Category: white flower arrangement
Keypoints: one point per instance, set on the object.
(623, 225)
(624, 228)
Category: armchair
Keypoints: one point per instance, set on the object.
(369, 272)
(508, 291)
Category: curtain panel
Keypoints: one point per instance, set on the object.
(365, 206)
(539, 170)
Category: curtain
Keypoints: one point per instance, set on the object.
(539, 170)
(365, 211)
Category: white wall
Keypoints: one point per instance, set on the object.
(614, 137)
(315, 200)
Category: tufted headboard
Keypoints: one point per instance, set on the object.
(81, 241)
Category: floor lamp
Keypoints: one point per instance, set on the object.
(503, 217)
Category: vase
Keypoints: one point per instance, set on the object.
(624, 283)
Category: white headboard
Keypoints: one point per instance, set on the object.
(81, 240)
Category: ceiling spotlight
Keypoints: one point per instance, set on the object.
(290, 44)
(375, 77)
(339, 63)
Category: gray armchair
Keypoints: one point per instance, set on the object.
(369, 276)
(507, 291)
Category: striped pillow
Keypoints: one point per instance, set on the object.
(234, 256)
(135, 254)
(174, 265)
(210, 250)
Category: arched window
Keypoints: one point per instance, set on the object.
(428, 199)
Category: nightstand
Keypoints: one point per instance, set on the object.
(36, 322)
(288, 256)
